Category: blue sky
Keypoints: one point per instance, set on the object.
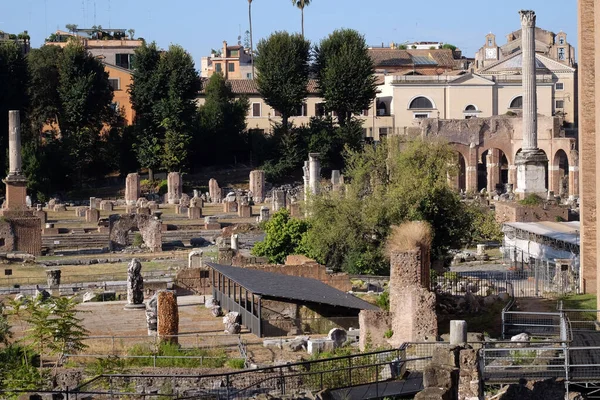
(199, 25)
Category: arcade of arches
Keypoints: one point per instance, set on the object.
(487, 147)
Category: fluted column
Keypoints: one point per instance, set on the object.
(528, 19)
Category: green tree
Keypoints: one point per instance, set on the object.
(146, 91)
(282, 72)
(484, 225)
(449, 46)
(284, 237)
(13, 93)
(301, 4)
(390, 183)
(71, 27)
(345, 73)
(177, 109)
(222, 122)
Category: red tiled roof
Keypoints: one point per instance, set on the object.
(249, 86)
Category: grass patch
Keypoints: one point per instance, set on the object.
(580, 302)
(181, 357)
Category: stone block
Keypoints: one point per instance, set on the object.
(80, 212)
(435, 394)
(106, 205)
(440, 376)
(245, 211)
(316, 346)
(153, 206)
(230, 207)
(42, 215)
(60, 208)
(295, 211)
(103, 229)
(194, 213)
(445, 355)
(130, 209)
(50, 231)
(132, 188)
(212, 226)
(92, 215)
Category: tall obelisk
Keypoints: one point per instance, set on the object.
(531, 162)
(16, 183)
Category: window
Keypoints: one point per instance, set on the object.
(231, 67)
(421, 115)
(561, 53)
(470, 107)
(124, 60)
(218, 67)
(115, 107)
(560, 86)
(382, 108)
(559, 104)
(115, 83)
(421, 103)
(320, 110)
(204, 274)
(249, 75)
(256, 110)
(234, 53)
(561, 40)
(365, 112)
(276, 113)
(383, 132)
(490, 42)
(516, 103)
(301, 111)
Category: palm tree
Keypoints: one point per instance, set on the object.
(301, 4)
(251, 48)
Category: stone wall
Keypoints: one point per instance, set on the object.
(149, 227)
(7, 236)
(514, 212)
(196, 280)
(373, 328)
(412, 305)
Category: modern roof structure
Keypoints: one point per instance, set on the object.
(250, 87)
(292, 288)
(567, 232)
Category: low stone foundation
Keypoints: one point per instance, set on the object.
(515, 212)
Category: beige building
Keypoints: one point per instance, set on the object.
(378, 120)
(549, 44)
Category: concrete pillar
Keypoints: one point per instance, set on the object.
(458, 333)
(257, 185)
(531, 162)
(132, 188)
(315, 172)
(14, 143)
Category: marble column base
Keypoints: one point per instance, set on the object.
(531, 173)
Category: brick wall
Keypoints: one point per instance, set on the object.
(512, 212)
(587, 138)
(28, 234)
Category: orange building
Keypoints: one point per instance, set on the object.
(120, 79)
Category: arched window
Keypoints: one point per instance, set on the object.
(470, 107)
(421, 103)
(517, 102)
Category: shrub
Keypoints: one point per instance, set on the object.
(531, 200)
(388, 334)
(162, 187)
(138, 240)
(383, 301)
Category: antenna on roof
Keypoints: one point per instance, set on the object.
(240, 40)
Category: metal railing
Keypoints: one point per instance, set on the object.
(537, 324)
(331, 373)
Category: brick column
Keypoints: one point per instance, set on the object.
(471, 169)
(554, 178)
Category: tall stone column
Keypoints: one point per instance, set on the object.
(16, 183)
(315, 172)
(531, 162)
(174, 187)
(132, 188)
(471, 169)
(257, 185)
(306, 179)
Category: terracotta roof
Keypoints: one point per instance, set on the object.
(443, 58)
(248, 86)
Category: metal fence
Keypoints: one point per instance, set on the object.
(331, 373)
(306, 326)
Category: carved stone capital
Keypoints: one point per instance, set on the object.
(527, 18)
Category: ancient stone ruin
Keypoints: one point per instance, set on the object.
(174, 187)
(132, 188)
(149, 227)
(257, 185)
(214, 191)
(167, 316)
(135, 286)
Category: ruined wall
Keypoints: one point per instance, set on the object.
(412, 305)
(149, 227)
(168, 316)
(513, 212)
(373, 328)
(197, 280)
(7, 236)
